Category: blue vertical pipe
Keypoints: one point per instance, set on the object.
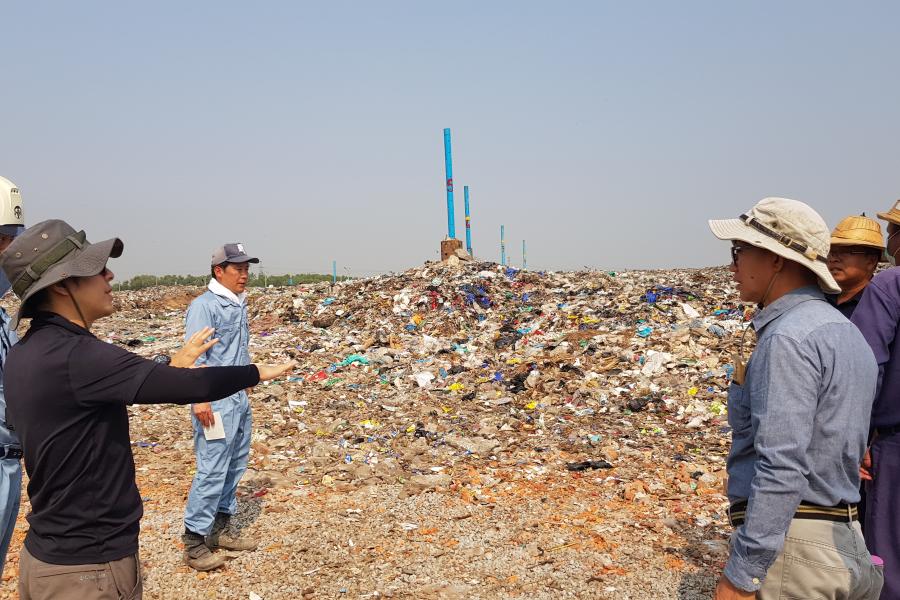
(468, 221)
(448, 167)
(502, 245)
(333, 272)
(524, 257)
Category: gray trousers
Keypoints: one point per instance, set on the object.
(823, 560)
(117, 580)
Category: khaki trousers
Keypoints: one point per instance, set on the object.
(823, 560)
(117, 580)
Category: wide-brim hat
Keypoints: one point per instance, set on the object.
(858, 230)
(893, 215)
(788, 228)
(48, 253)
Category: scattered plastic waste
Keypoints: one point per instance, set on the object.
(586, 465)
(354, 359)
(424, 379)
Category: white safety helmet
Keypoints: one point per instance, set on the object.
(10, 204)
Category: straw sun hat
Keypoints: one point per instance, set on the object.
(858, 231)
(893, 215)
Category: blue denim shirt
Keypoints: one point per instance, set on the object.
(8, 337)
(229, 319)
(799, 424)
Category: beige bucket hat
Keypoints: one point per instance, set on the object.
(47, 253)
(788, 228)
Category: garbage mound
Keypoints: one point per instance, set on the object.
(570, 423)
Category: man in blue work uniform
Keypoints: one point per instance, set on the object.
(220, 462)
(11, 225)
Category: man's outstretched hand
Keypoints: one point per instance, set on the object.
(194, 348)
(267, 372)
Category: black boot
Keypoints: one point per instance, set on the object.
(222, 537)
(196, 553)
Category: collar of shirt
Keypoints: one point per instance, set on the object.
(833, 298)
(220, 290)
(43, 318)
(784, 304)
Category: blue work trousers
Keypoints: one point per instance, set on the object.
(10, 493)
(220, 464)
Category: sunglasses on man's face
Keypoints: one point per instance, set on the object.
(735, 253)
(839, 253)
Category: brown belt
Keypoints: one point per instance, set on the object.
(841, 513)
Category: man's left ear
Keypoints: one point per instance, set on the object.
(873, 262)
(779, 263)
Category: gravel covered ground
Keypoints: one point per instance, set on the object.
(366, 484)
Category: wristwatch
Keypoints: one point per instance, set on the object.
(162, 359)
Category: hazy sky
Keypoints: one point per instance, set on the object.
(603, 133)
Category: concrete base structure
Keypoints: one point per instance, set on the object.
(449, 248)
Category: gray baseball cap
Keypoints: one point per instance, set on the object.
(47, 253)
(231, 253)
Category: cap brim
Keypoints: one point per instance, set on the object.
(243, 259)
(90, 261)
(737, 230)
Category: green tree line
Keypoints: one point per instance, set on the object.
(139, 282)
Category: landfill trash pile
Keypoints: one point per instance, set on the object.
(460, 431)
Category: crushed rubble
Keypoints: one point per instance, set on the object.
(460, 430)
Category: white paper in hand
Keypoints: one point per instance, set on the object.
(216, 431)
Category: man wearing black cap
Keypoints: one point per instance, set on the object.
(67, 394)
(221, 460)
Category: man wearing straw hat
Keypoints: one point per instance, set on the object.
(799, 412)
(877, 316)
(856, 248)
(67, 394)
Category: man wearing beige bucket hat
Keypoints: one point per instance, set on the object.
(67, 394)
(878, 317)
(856, 248)
(799, 413)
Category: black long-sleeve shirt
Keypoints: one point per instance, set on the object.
(67, 394)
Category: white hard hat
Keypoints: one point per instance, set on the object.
(10, 204)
